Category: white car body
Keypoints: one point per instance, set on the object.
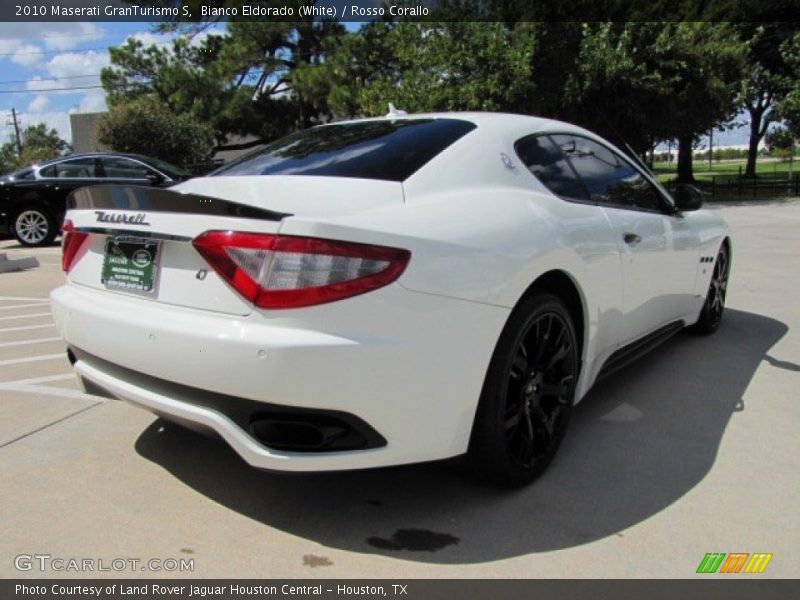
(409, 358)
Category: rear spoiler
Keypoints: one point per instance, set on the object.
(153, 199)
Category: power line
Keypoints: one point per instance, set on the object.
(56, 89)
(53, 51)
(52, 78)
(63, 35)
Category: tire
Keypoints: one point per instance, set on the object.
(34, 226)
(528, 394)
(714, 305)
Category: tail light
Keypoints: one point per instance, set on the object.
(274, 271)
(71, 243)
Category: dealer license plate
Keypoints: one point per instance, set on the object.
(130, 264)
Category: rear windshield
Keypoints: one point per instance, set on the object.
(390, 150)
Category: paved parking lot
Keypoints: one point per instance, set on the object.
(692, 450)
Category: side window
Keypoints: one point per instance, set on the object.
(546, 161)
(78, 168)
(48, 171)
(123, 168)
(609, 178)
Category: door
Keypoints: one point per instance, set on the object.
(658, 249)
(59, 179)
(122, 170)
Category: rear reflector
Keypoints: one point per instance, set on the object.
(71, 243)
(274, 271)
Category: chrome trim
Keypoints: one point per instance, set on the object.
(154, 235)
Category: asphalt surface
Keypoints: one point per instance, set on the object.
(693, 449)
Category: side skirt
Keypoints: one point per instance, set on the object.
(630, 352)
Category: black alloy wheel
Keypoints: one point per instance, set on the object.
(528, 394)
(711, 314)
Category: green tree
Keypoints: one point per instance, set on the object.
(8, 157)
(423, 67)
(145, 125)
(789, 108)
(768, 78)
(709, 58)
(624, 75)
(781, 143)
(239, 83)
(38, 143)
(640, 82)
(352, 62)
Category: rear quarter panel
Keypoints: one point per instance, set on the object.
(489, 244)
(711, 230)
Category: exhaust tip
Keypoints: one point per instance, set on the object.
(305, 433)
(286, 435)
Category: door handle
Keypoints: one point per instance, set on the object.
(631, 238)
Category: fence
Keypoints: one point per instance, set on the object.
(766, 185)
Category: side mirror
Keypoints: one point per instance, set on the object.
(687, 197)
(155, 178)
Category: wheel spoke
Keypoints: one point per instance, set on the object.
(528, 422)
(512, 422)
(559, 355)
(524, 450)
(541, 340)
(520, 364)
(513, 416)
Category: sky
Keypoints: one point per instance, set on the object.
(40, 62)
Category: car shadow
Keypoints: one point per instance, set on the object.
(637, 443)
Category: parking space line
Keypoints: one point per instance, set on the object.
(26, 327)
(18, 361)
(50, 391)
(45, 379)
(29, 305)
(47, 314)
(29, 342)
(57, 421)
(23, 299)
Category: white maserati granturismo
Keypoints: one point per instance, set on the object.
(387, 291)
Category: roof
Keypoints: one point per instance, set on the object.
(511, 122)
(91, 155)
(504, 125)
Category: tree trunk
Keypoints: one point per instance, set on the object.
(756, 133)
(685, 171)
(752, 150)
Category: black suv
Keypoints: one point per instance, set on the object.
(32, 201)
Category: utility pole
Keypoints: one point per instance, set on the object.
(16, 130)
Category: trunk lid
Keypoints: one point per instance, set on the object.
(122, 220)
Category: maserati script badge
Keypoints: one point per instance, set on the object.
(104, 217)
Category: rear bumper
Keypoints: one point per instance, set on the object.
(410, 366)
